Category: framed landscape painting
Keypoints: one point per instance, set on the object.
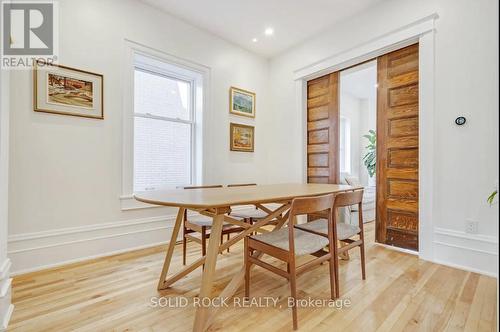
(68, 91)
(241, 102)
(241, 137)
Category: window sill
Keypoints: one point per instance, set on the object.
(128, 202)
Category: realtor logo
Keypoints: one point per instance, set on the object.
(28, 33)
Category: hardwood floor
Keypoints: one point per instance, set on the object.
(114, 294)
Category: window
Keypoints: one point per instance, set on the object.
(163, 131)
(345, 145)
(164, 107)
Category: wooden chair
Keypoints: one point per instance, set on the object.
(201, 225)
(252, 215)
(285, 243)
(342, 232)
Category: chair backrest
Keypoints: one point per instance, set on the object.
(203, 187)
(241, 185)
(348, 198)
(309, 205)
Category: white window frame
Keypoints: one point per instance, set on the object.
(160, 63)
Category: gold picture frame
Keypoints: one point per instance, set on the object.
(64, 90)
(241, 137)
(242, 102)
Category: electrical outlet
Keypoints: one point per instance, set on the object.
(471, 226)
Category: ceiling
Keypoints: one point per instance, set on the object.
(240, 21)
(360, 81)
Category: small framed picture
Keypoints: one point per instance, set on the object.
(242, 137)
(63, 90)
(241, 102)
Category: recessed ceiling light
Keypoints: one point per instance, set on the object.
(255, 40)
(269, 31)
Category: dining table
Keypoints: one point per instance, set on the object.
(217, 203)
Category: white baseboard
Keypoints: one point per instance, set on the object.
(5, 269)
(466, 268)
(6, 318)
(31, 252)
(6, 306)
(406, 251)
(471, 252)
(36, 251)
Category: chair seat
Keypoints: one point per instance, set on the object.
(255, 213)
(205, 221)
(305, 242)
(249, 213)
(272, 206)
(200, 220)
(344, 231)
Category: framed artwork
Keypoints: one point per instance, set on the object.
(241, 102)
(63, 90)
(242, 137)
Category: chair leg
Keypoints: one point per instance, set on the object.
(184, 245)
(331, 265)
(336, 270)
(362, 238)
(247, 269)
(250, 221)
(362, 252)
(203, 241)
(293, 291)
(228, 238)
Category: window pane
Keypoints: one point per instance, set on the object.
(162, 154)
(161, 96)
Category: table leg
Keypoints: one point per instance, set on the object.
(171, 246)
(209, 271)
(238, 278)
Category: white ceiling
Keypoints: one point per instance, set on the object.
(239, 21)
(360, 81)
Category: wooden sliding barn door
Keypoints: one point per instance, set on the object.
(323, 129)
(397, 148)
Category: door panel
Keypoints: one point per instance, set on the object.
(402, 158)
(397, 148)
(318, 160)
(323, 129)
(318, 136)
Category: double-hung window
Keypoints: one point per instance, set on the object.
(164, 107)
(164, 129)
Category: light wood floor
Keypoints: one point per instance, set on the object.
(114, 293)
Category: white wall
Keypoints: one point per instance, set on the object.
(350, 108)
(466, 83)
(359, 82)
(368, 122)
(66, 171)
(5, 280)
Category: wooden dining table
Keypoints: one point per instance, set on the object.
(217, 204)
